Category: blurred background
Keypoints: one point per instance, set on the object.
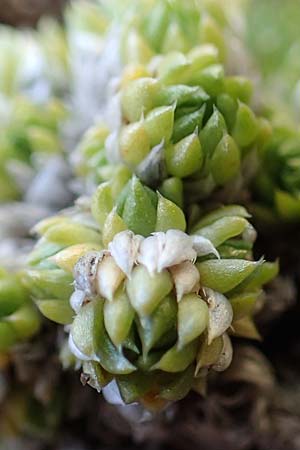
(272, 36)
(28, 12)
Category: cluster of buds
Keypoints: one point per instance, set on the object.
(154, 306)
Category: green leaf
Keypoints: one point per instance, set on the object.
(183, 95)
(179, 387)
(169, 216)
(192, 318)
(263, 273)
(228, 108)
(71, 234)
(287, 205)
(139, 213)
(203, 56)
(162, 320)
(172, 189)
(225, 162)
(45, 284)
(212, 132)
(134, 386)
(145, 292)
(239, 87)
(245, 129)
(102, 203)
(156, 25)
(224, 275)
(89, 335)
(224, 211)
(138, 97)
(59, 311)
(187, 124)
(185, 157)
(211, 79)
(159, 124)
(25, 321)
(245, 328)
(223, 229)
(177, 360)
(118, 317)
(134, 143)
(12, 295)
(113, 225)
(43, 250)
(243, 304)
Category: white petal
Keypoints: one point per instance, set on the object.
(220, 314)
(109, 277)
(149, 251)
(77, 299)
(225, 358)
(75, 350)
(186, 278)
(111, 393)
(124, 249)
(178, 247)
(204, 246)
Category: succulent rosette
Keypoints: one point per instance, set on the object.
(273, 39)
(158, 27)
(181, 126)
(149, 307)
(277, 183)
(30, 137)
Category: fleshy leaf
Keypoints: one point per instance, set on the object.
(145, 292)
(192, 318)
(118, 317)
(224, 275)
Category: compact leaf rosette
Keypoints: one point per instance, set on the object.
(29, 137)
(277, 184)
(150, 307)
(180, 124)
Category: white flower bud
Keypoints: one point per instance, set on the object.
(163, 250)
(220, 314)
(204, 246)
(186, 278)
(178, 247)
(109, 277)
(149, 251)
(124, 249)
